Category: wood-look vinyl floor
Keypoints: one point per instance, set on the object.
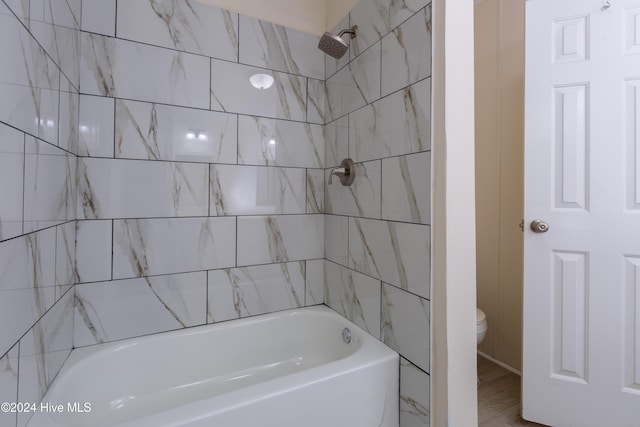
(498, 397)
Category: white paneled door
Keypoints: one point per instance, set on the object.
(581, 355)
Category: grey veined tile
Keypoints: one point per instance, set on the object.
(29, 83)
(145, 247)
(93, 250)
(108, 311)
(406, 53)
(43, 351)
(11, 171)
(185, 25)
(273, 239)
(50, 177)
(140, 189)
(263, 141)
(415, 395)
(257, 190)
(232, 91)
(362, 198)
(9, 384)
(405, 325)
(160, 132)
(375, 18)
(279, 48)
(354, 295)
(397, 124)
(248, 291)
(406, 188)
(123, 69)
(397, 253)
(354, 86)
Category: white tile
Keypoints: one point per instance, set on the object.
(397, 124)
(141, 189)
(29, 82)
(336, 135)
(124, 69)
(147, 247)
(272, 142)
(57, 32)
(21, 308)
(188, 26)
(397, 253)
(43, 351)
(361, 198)
(314, 291)
(93, 250)
(316, 101)
(354, 295)
(406, 53)
(279, 48)
(27, 283)
(9, 384)
(315, 191)
(232, 92)
(28, 261)
(354, 86)
(269, 239)
(415, 395)
(53, 12)
(406, 188)
(248, 291)
(49, 182)
(11, 181)
(96, 126)
(405, 320)
(375, 18)
(99, 16)
(336, 239)
(160, 132)
(19, 7)
(65, 257)
(331, 65)
(257, 190)
(69, 127)
(108, 311)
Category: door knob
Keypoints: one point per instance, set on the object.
(539, 226)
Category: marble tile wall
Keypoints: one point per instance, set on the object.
(377, 231)
(200, 197)
(39, 140)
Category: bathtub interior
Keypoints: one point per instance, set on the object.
(134, 378)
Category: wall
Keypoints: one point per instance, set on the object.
(39, 81)
(499, 174)
(311, 16)
(377, 232)
(200, 196)
(453, 316)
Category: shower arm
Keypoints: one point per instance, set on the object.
(352, 31)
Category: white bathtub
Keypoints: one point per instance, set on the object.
(285, 369)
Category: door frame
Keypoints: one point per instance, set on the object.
(453, 338)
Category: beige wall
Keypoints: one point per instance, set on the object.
(311, 16)
(499, 44)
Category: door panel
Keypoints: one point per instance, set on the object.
(581, 352)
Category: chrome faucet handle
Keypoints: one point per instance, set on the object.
(345, 172)
(337, 171)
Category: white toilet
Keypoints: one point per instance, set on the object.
(481, 330)
(481, 325)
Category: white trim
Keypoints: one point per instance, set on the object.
(499, 363)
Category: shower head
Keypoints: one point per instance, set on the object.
(334, 45)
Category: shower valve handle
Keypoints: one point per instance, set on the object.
(345, 172)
